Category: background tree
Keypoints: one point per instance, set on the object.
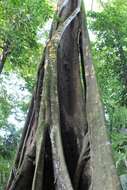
(18, 36)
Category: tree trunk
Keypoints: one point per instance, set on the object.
(64, 145)
(3, 56)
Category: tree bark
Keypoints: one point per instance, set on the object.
(62, 131)
(103, 172)
(3, 56)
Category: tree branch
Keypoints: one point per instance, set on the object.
(6, 51)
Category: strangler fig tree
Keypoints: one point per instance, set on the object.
(64, 145)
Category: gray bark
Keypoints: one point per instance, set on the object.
(104, 174)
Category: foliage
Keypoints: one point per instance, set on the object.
(19, 24)
(110, 57)
(5, 108)
(119, 118)
(112, 41)
(119, 144)
(13, 105)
